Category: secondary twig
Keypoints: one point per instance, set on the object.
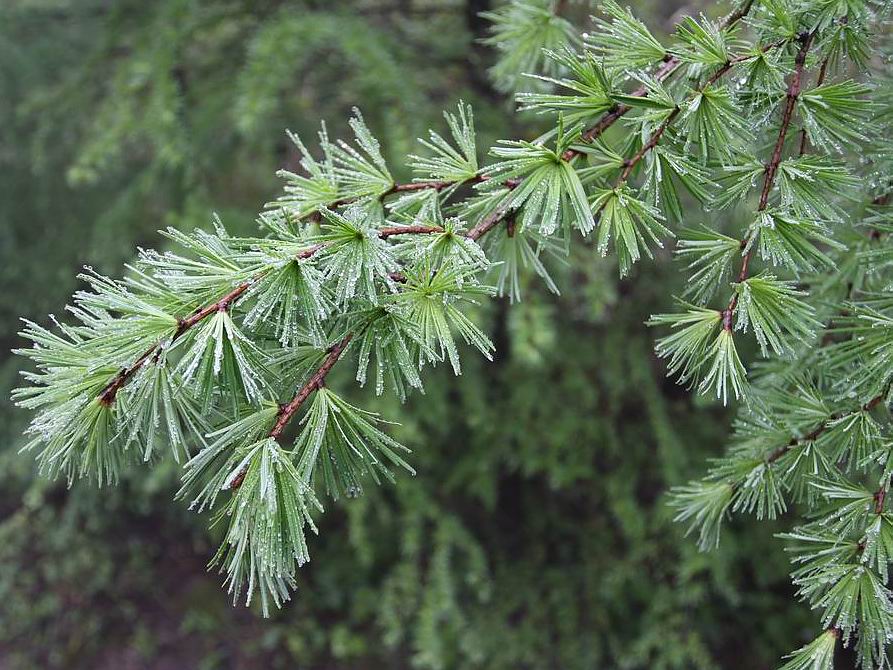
(287, 411)
(793, 93)
(107, 396)
(669, 66)
(822, 427)
(630, 164)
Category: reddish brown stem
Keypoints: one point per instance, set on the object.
(880, 498)
(737, 15)
(107, 396)
(309, 251)
(787, 114)
(387, 232)
(488, 223)
(729, 64)
(619, 110)
(420, 186)
(218, 306)
(436, 185)
(631, 163)
(793, 93)
(287, 411)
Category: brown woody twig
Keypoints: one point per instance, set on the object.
(793, 93)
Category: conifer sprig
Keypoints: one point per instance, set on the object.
(316, 380)
(109, 393)
(668, 67)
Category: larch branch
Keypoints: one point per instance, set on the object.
(822, 427)
(771, 170)
(108, 394)
(287, 411)
(670, 64)
(630, 164)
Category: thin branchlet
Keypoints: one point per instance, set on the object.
(771, 169)
(108, 394)
(287, 411)
(816, 432)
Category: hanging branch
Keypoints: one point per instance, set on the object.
(772, 166)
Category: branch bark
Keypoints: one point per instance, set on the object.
(287, 411)
(794, 88)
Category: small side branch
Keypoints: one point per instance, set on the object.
(488, 223)
(822, 427)
(316, 381)
(389, 231)
(620, 110)
(108, 394)
(794, 88)
(430, 185)
(669, 66)
(631, 163)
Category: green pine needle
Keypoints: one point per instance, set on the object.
(623, 41)
(629, 222)
(817, 655)
(340, 445)
(724, 373)
(776, 313)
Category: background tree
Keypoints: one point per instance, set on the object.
(559, 483)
